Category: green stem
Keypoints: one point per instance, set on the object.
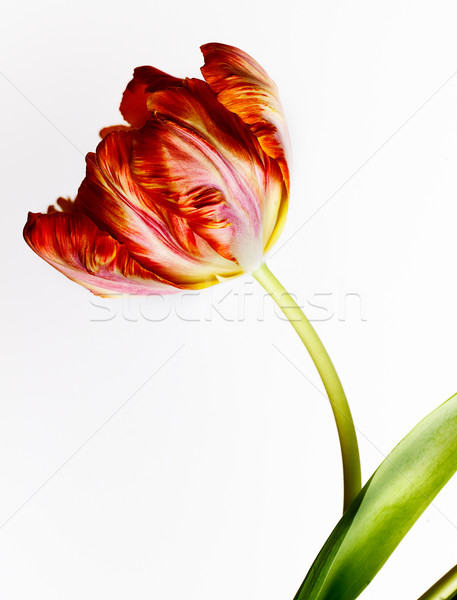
(330, 379)
(444, 589)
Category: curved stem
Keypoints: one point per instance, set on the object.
(330, 379)
(444, 589)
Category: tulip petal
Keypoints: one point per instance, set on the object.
(106, 130)
(278, 223)
(75, 246)
(259, 182)
(134, 101)
(157, 239)
(185, 174)
(195, 105)
(244, 88)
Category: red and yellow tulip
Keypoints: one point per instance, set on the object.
(193, 190)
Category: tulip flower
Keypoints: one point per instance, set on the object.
(192, 191)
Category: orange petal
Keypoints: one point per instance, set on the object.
(250, 182)
(246, 89)
(134, 101)
(195, 105)
(158, 240)
(184, 173)
(106, 130)
(73, 244)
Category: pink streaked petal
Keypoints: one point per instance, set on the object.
(183, 172)
(195, 106)
(156, 239)
(75, 246)
(245, 88)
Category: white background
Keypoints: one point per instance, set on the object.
(221, 478)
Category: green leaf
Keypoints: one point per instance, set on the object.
(444, 589)
(389, 504)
